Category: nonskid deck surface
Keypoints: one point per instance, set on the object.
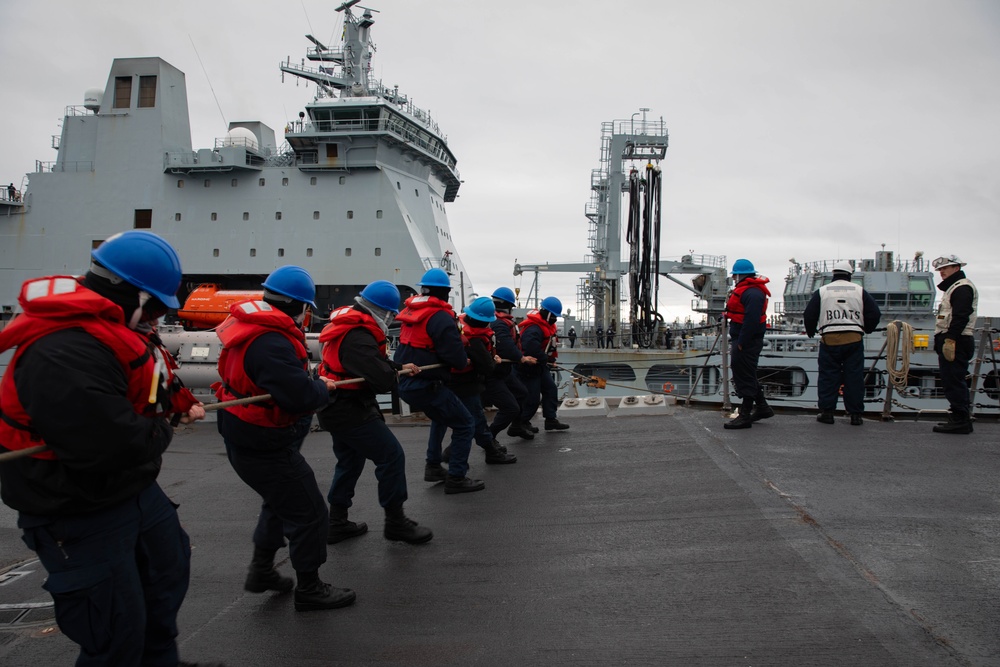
(644, 540)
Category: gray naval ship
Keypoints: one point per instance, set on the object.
(691, 363)
(353, 190)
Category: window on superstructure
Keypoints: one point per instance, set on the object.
(177, 217)
(312, 181)
(208, 182)
(398, 186)
(343, 179)
(309, 252)
(350, 215)
(347, 252)
(284, 181)
(235, 181)
(897, 300)
(277, 215)
(260, 182)
(416, 193)
(281, 252)
(147, 92)
(378, 252)
(143, 218)
(315, 215)
(94, 245)
(253, 252)
(378, 214)
(215, 216)
(331, 151)
(123, 92)
(180, 182)
(215, 252)
(246, 215)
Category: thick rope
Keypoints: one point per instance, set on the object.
(893, 350)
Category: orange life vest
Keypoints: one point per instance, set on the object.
(734, 306)
(342, 321)
(57, 303)
(416, 312)
(248, 321)
(470, 333)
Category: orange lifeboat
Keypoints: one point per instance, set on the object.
(208, 305)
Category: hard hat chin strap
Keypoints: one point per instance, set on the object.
(137, 314)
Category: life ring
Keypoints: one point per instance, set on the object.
(668, 387)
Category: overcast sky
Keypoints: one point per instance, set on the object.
(798, 128)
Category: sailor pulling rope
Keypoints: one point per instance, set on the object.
(20, 453)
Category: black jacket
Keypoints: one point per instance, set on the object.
(75, 391)
(271, 363)
(473, 382)
(361, 357)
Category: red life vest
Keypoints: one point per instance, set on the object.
(470, 333)
(508, 321)
(416, 312)
(248, 321)
(57, 303)
(342, 321)
(535, 319)
(734, 307)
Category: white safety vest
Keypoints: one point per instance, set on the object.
(943, 322)
(841, 307)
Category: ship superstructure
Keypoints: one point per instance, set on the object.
(354, 190)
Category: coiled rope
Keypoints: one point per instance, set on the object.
(894, 350)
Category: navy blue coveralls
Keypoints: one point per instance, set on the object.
(428, 393)
(355, 422)
(504, 389)
(269, 461)
(746, 343)
(537, 379)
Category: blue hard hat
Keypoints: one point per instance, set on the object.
(743, 267)
(144, 260)
(553, 305)
(505, 294)
(435, 278)
(293, 282)
(481, 309)
(383, 294)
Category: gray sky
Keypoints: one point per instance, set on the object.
(798, 128)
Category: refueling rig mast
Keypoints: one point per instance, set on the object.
(624, 145)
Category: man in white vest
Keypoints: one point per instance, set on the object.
(842, 312)
(953, 341)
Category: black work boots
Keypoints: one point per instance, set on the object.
(462, 485)
(555, 425)
(434, 472)
(401, 528)
(495, 453)
(743, 417)
(958, 423)
(519, 430)
(342, 528)
(262, 576)
(315, 595)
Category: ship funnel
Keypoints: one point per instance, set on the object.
(92, 99)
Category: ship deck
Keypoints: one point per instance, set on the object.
(641, 540)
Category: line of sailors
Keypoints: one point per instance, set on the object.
(91, 386)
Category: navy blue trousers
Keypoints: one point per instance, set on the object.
(117, 578)
(841, 365)
(371, 441)
(954, 374)
(744, 365)
(541, 389)
(498, 394)
(442, 405)
(481, 431)
(293, 506)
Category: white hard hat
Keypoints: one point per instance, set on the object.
(843, 266)
(950, 260)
